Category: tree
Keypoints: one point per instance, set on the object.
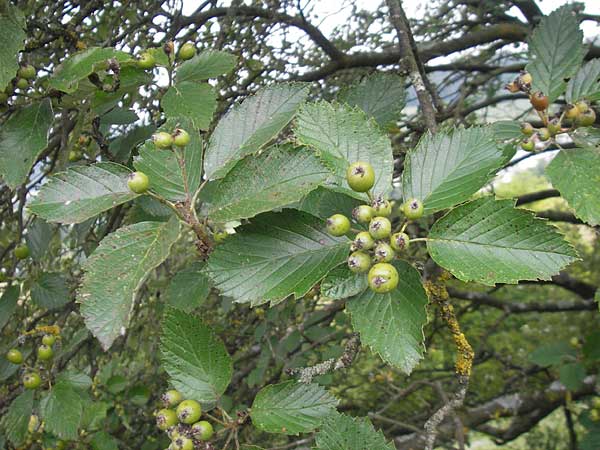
(228, 228)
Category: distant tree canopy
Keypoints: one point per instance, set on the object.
(170, 173)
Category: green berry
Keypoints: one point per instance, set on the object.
(183, 443)
(34, 424)
(75, 155)
(48, 339)
(187, 51)
(181, 138)
(363, 213)
(543, 134)
(383, 253)
(399, 241)
(26, 71)
(554, 127)
(527, 129)
(528, 144)
(44, 352)
(138, 182)
(22, 83)
(171, 398)
(32, 380)
(381, 206)
(413, 209)
(189, 411)
(586, 119)
(380, 227)
(14, 356)
(21, 251)
(338, 225)
(383, 277)
(572, 112)
(60, 445)
(146, 61)
(360, 176)
(364, 241)
(202, 430)
(582, 106)
(162, 139)
(166, 418)
(359, 262)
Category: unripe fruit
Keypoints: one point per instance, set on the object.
(582, 106)
(399, 241)
(381, 206)
(587, 119)
(21, 251)
(202, 430)
(183, 443)
(338, 225)
(171, 398)
(527, 129)
(48, 339)
(413, 209)
(539, 101)
(27, 71)
(363, 213)
(383, 253)
(543, 134)
(34, 423)
(22, 83)
(162, 139)
(554, 127)
(138, 182)
(383, 277)
(60, 445)
(181, 138)
(364, 241)
(187, 51)
(189, 411)
(75, 156)
(595, 415)
(360, 176)
(32, 380)
(359, 262)
(165, 418)
(146, 61)
(572, 112)
(14, 356)
(44, 352)
(528, 144)
(525, 78)
(380, 227)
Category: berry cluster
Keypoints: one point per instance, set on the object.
(568, 118)
(373, 250)
(183, 424)
(147, 61)
(32, 379)
(25, 75)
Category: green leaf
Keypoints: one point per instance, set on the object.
(50, 291)
(38, 237)
(291, 407)
(491, 242)
(115, 272)
(574, 173)
(506, 130)
(194, 357)
(77, 380)
(94, 415)
(448, 167)
(79, 66)
(552, 354)
(192, 155)
(555, 51)
(16, 419)
(342, 432)
(8, 303)
(277, 255)
(205, 65)
(121, 146)
(258, 183)
(194, 101)
(341, 283)
(591, 440)
(188, 288)
(324, 203)
(22, 138)
(103, 441)
(118, 116)
(61, 411)
(586, 137)
(163, 171)
(380, 96)
(572, 376)
(343, 135)
(392, 324)
(251, 125)
(591, 347)
(585, 84)
(12, 36)
(82, 192)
